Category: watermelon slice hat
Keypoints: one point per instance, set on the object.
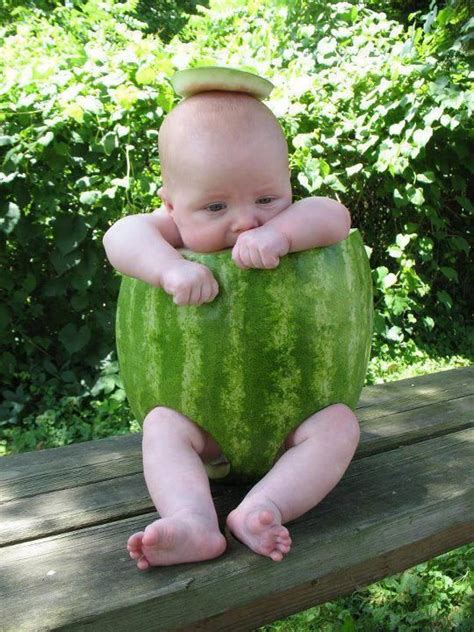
(191, 81)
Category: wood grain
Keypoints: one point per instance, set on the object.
(390, 511)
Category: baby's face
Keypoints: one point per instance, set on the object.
(225, 188)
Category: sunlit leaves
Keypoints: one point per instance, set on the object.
(374, 113)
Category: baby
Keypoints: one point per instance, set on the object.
(226, 184)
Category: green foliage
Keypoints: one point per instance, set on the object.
(377, 113)
(377, 107)
(433, 596)
(166, 17)
(79, 109)
(36, 416)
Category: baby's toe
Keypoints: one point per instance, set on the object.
(142, 563)
(283, 533)
(276, 556)
(134, 542)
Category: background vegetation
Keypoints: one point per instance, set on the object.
(376, 103)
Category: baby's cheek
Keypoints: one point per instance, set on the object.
(204, 240)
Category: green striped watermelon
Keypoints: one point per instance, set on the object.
(272, 348)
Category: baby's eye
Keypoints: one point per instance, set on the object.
(265, 200)
(215, 208)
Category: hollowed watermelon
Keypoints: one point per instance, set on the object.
(272, 348)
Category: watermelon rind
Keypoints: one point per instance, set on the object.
(272, 348)
(191, 81)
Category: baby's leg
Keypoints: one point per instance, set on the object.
(188, 529)
(317, 455)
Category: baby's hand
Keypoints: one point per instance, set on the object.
(260, 247)
(189, 283)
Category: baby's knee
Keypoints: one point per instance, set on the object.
(345, 424)
(168, 422)
(159, 417)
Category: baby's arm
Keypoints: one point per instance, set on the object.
(309, 223)
(144, 246)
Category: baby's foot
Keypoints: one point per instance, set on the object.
(258, 525)
(174, 540)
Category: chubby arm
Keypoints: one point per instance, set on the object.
(144, 246)
(309, 223)
(313, 222)
(141, 246)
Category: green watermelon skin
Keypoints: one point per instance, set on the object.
(272, 348)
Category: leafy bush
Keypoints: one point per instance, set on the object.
(432, 596)
(380, 117)
(378, 114)
(79, 149)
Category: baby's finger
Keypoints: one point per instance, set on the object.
(256, 258)
(195, 297)
(215, 289)
(181, 297)
(245, 257)
(206, 292)
(271, 261)
(210, 292)
(237, 257)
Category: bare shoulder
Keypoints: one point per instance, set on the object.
(168, 229)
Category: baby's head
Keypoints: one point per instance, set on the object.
(224, 163)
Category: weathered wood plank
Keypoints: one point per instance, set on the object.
(379, 434)
(35, 472)
(339, 583)
(391, 510)
(27, 474)
(95, 503)
(415, 392)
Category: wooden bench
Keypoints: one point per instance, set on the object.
(66, 514)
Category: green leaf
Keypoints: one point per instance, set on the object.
(429, 322)
(379, 274)
(445, 299)
(402, 241)
(6, 140)
(389, 280)
(5, 179)
(428, 177)
(415, 195)
(74, 339)
(63, 263)
(69, 232)
(449, 273)
(395, 334)
(460, 243)
(109, 142)
(90, 197)
(146, 75)
(380, 326)
(354, 169)
(396, 129)
(422, 136)
(11, 218)
(46, 139)
(123, 130)
(395, 252)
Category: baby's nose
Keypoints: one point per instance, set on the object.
(245, 220)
